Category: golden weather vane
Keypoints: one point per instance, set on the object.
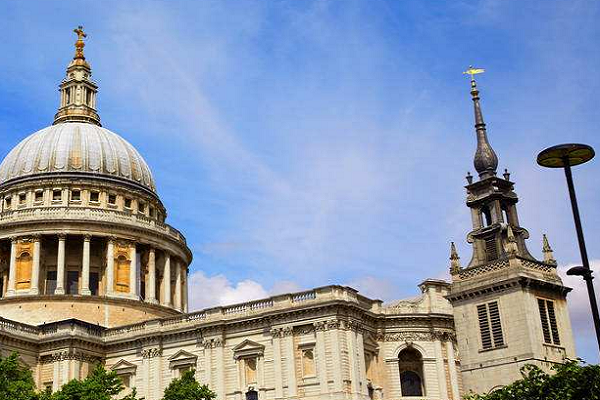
(473, 71)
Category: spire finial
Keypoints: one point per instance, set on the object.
(79, 44)
(485, 160)
(511, 246)
(547, 250)
(454, 260)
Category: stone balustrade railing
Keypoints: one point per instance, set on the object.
(189, 321)
(63, 213)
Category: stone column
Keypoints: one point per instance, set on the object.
(177, 294)
(351, 346)
(151, 286)
(276, 333)
(361, 362)
(167, 280)
(133, 272)
(12, 269)
(441, 372)
(60, 265)
(35, 268)
(110, 267)
(320, 328)
(184, 288)
(85, 269)
(334, 340)
(288, 333)
(220, 370)
(452, 370)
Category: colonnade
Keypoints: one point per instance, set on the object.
(117, 252)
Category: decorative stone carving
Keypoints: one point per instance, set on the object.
(151, 353)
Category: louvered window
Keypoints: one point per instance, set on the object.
(490, 325)
(548, 319)
(491, 250)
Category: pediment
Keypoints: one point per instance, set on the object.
(123, 367)
(182, 355)
(248, 348)
(182, 358)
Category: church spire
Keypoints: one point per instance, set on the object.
(485, 160)
(454, 260)
(547, 250)
(78, 91)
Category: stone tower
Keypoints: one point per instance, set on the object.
(510, 309)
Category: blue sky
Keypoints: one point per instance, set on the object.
(305, 143)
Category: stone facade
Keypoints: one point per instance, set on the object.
(91, 273)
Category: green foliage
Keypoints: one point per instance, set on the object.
(187, 388)
(16, 381)
(99, 385)
(570, 381)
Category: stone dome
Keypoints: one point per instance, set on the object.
(75, 148)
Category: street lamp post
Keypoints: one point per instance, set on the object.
(565, 156)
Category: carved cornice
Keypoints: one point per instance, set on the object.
(410, 336)
(69, 355)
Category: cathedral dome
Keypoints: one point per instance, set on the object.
(78, 149)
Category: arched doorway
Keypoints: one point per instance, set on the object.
(410, 362)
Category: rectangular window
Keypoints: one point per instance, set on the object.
(8, 202)
(94, 197)
(548, 319)
(127, 203)
(490, 325)
(50, 282)
(72, 282)
(112, 199)
(151, 212)
(56, 195)
(491, 249)
(75, 195)
(39, 196)
(142, 207)
(22, 198)
(94, 283)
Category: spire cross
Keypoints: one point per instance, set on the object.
(473, 71)
(79, 44)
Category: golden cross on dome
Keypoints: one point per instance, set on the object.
(473, 71)
(79, 44)
(80, 33)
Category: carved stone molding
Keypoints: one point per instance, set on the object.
(152, 352)
(69, 355)
(212, 343)
(414, 336)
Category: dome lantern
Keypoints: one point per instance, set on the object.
(78, 91)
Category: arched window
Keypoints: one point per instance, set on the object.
(251, 395)
(24, 263)
(487, 215)
(410, 362)
(122, 275)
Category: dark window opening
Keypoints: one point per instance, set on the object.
(94, 197)
(56, 195)
(76, 195)
(127, 203)
(39, 196)
(491, 249)
(112, 199)
(94, 283)
(72, 282)
(50, 282)
(22, 198)
(252, 395)
(411, 371)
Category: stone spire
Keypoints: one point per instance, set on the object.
(454, 260)
(78, 90)
(485, 160)
(547, 250)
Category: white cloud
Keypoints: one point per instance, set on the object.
(217, 290)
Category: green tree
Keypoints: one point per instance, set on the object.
(187, 388)
(99, 385)
(570, 381)
(16, 381)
